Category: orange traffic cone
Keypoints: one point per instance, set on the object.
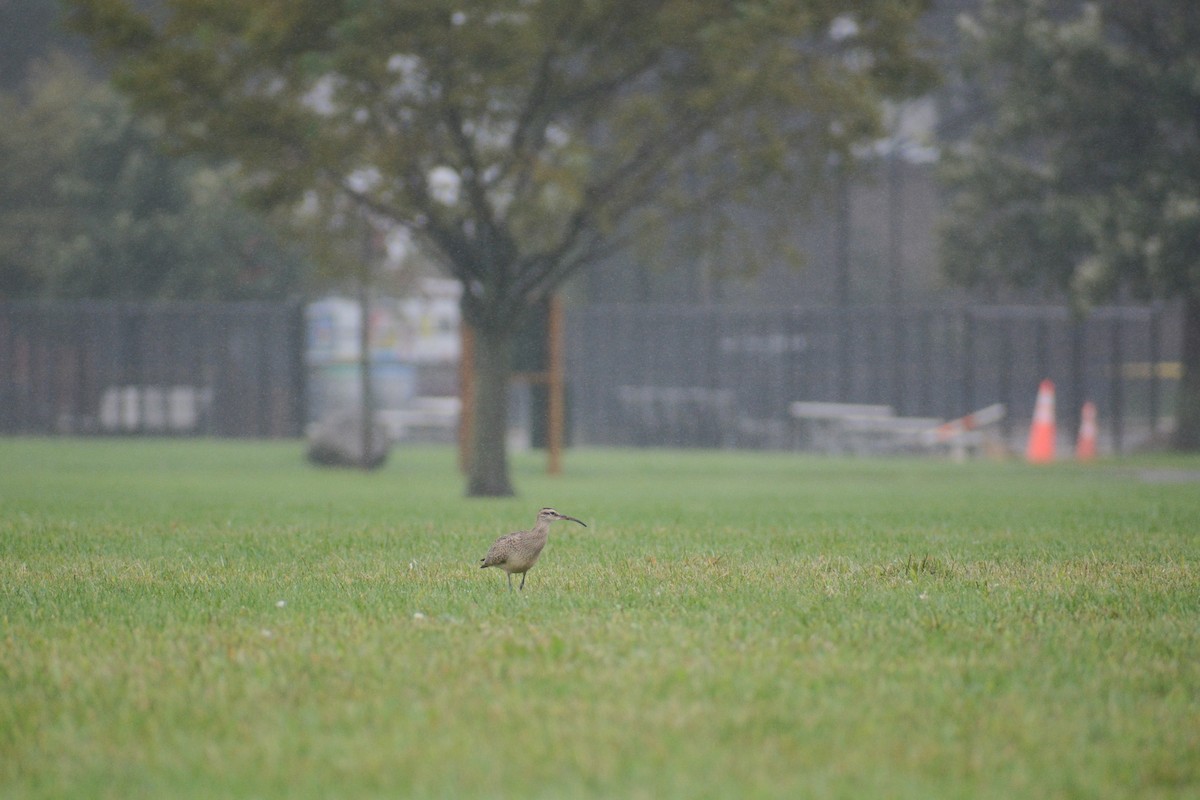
(1042, 431)
(1085, 446)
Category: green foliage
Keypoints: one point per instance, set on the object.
(516, 139)
(200, 619)
(1081, 175)
(92, 207)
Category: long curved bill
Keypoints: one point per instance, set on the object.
(564, 516)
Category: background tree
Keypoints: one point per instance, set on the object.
(90, 206)
(519, 141)
(1083, 175)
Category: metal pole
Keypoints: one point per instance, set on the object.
(366, 405)
(297, 339)
(1117, 389)
(968, 367)
(895, 181)
(842, 213)
(263, 426)
(898, 365)
(1155, 356)
(556, 411)
(1006, 371)
(842, 233)
(1079, 389)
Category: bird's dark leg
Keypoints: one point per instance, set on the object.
(510, 581)
(523, 574)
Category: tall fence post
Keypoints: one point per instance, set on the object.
(1155, 346)
(968, 362)
(1079, 390)
(898, 356)
(298, 339)
(1116, 366)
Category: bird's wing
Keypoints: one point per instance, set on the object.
(498, 552)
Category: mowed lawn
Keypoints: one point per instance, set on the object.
(218, 619)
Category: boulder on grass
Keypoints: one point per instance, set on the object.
(337, 441)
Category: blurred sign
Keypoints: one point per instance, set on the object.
(404, 334)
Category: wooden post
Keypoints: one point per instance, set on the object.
(553, 377)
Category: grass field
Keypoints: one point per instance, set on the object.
(216, 619)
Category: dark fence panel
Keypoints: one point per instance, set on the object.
(219, 369)
(637, 374)
(712, 376)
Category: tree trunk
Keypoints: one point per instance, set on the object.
(1187, 415)
(488, 469)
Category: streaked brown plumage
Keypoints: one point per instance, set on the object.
(519, 551)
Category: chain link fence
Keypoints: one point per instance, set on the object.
(638, 374)
(217, 369)
(665, 375)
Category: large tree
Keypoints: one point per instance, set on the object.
(1083, 175)
(518, 140)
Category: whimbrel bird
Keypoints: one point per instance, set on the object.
(519, 551)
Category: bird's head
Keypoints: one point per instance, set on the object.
(550, 515)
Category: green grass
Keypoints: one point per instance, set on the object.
(216, 619)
